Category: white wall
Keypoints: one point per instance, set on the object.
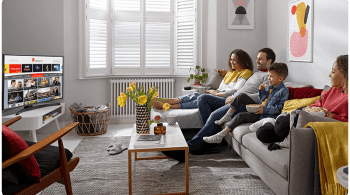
(330, 39)
(250, 41)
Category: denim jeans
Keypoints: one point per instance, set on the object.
(189, 101)
(205, 104)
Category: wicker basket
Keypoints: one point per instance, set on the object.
(91, 123)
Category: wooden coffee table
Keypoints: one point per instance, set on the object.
(174, 140)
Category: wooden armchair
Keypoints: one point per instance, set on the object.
(60, 174)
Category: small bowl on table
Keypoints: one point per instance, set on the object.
(171, 119)
(252, 107)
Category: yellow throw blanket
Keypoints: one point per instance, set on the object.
(332, 144)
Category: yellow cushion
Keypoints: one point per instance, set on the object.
(291, 105)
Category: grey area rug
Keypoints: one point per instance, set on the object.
(101, 173)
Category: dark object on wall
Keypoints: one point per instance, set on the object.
(240, 10)
(188, 88)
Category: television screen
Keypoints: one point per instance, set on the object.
(31, 79)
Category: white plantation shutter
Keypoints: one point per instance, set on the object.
(185, 43)
(138, 37)
(97, 39)
(127, 37)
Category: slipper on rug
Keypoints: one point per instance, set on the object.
(117, 148)
(112, 143)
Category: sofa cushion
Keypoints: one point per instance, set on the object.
(294, 104)
(14, 144)
(240, 131)
(186, 118)
(276, 159)
(303, 92)
(214, 80)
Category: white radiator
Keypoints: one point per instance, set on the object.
(165, 90)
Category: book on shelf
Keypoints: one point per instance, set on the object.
(149, 141)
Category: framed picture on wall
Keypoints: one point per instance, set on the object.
(300, 47)
(240, 14)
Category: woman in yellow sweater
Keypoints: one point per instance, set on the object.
(241, 67)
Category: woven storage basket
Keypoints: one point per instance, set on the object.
(91, 123)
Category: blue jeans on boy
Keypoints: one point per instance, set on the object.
(206, 104)
(189, 101)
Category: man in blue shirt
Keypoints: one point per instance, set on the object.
(271, 100)
(18, 98)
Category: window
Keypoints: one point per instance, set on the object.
(138, 37)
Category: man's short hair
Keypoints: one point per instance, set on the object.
(280, 68)
(270, 54)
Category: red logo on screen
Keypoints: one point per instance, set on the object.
(32, 59)
(38, 75)
(15, 68)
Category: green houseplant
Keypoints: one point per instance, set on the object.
(200, 75)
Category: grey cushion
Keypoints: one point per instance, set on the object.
(326, 88)
(277, 160)
(305, 117)
(214, 80)
(240, 131)
(186, 118)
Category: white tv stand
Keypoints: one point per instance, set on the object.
(32, 120)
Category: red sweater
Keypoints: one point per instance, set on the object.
(336, 102)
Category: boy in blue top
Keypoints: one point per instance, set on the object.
(271, 100)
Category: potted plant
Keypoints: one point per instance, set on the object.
(200, 75)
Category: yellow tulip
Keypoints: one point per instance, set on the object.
(123, 95)
(121, 101)
(142, 100)
(166, 106)
(129, 89)
(132, 85)
(155, 94)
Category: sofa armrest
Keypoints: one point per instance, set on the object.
(302, 161)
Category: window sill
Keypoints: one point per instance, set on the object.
(135, 76)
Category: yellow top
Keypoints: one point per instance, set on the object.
(233, 75)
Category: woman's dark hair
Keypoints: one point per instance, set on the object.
(342, 64)
(243, 59)
(280, 68)
(270, 54)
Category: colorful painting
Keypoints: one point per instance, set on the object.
(240, 14)
(300, 30)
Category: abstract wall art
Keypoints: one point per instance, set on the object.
(300, 30)
(240, 14)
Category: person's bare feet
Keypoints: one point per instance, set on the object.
(157, 105)
(172, 101)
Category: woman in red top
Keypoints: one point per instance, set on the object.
(334, 102)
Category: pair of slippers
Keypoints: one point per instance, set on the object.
(115, 148)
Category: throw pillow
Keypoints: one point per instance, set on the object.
(303, 92)
(291, 105)
(305, 118)
(214, 80)
(15, 144)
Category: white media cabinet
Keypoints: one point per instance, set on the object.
(32, 120)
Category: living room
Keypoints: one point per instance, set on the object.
(53, 28)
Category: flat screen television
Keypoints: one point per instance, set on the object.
(31, 79)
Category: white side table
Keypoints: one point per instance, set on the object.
(342, 177)
(186, 92)
(32, 120)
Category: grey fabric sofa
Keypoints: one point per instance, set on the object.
(284, 171)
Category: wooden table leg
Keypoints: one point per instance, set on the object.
(187, 177)
(129, 166)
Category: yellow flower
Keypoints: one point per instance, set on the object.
(123, 95)
(129, 89)
(132, 85)
(166, 106)
(142, 100)
(121, 101)
(155, 94)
